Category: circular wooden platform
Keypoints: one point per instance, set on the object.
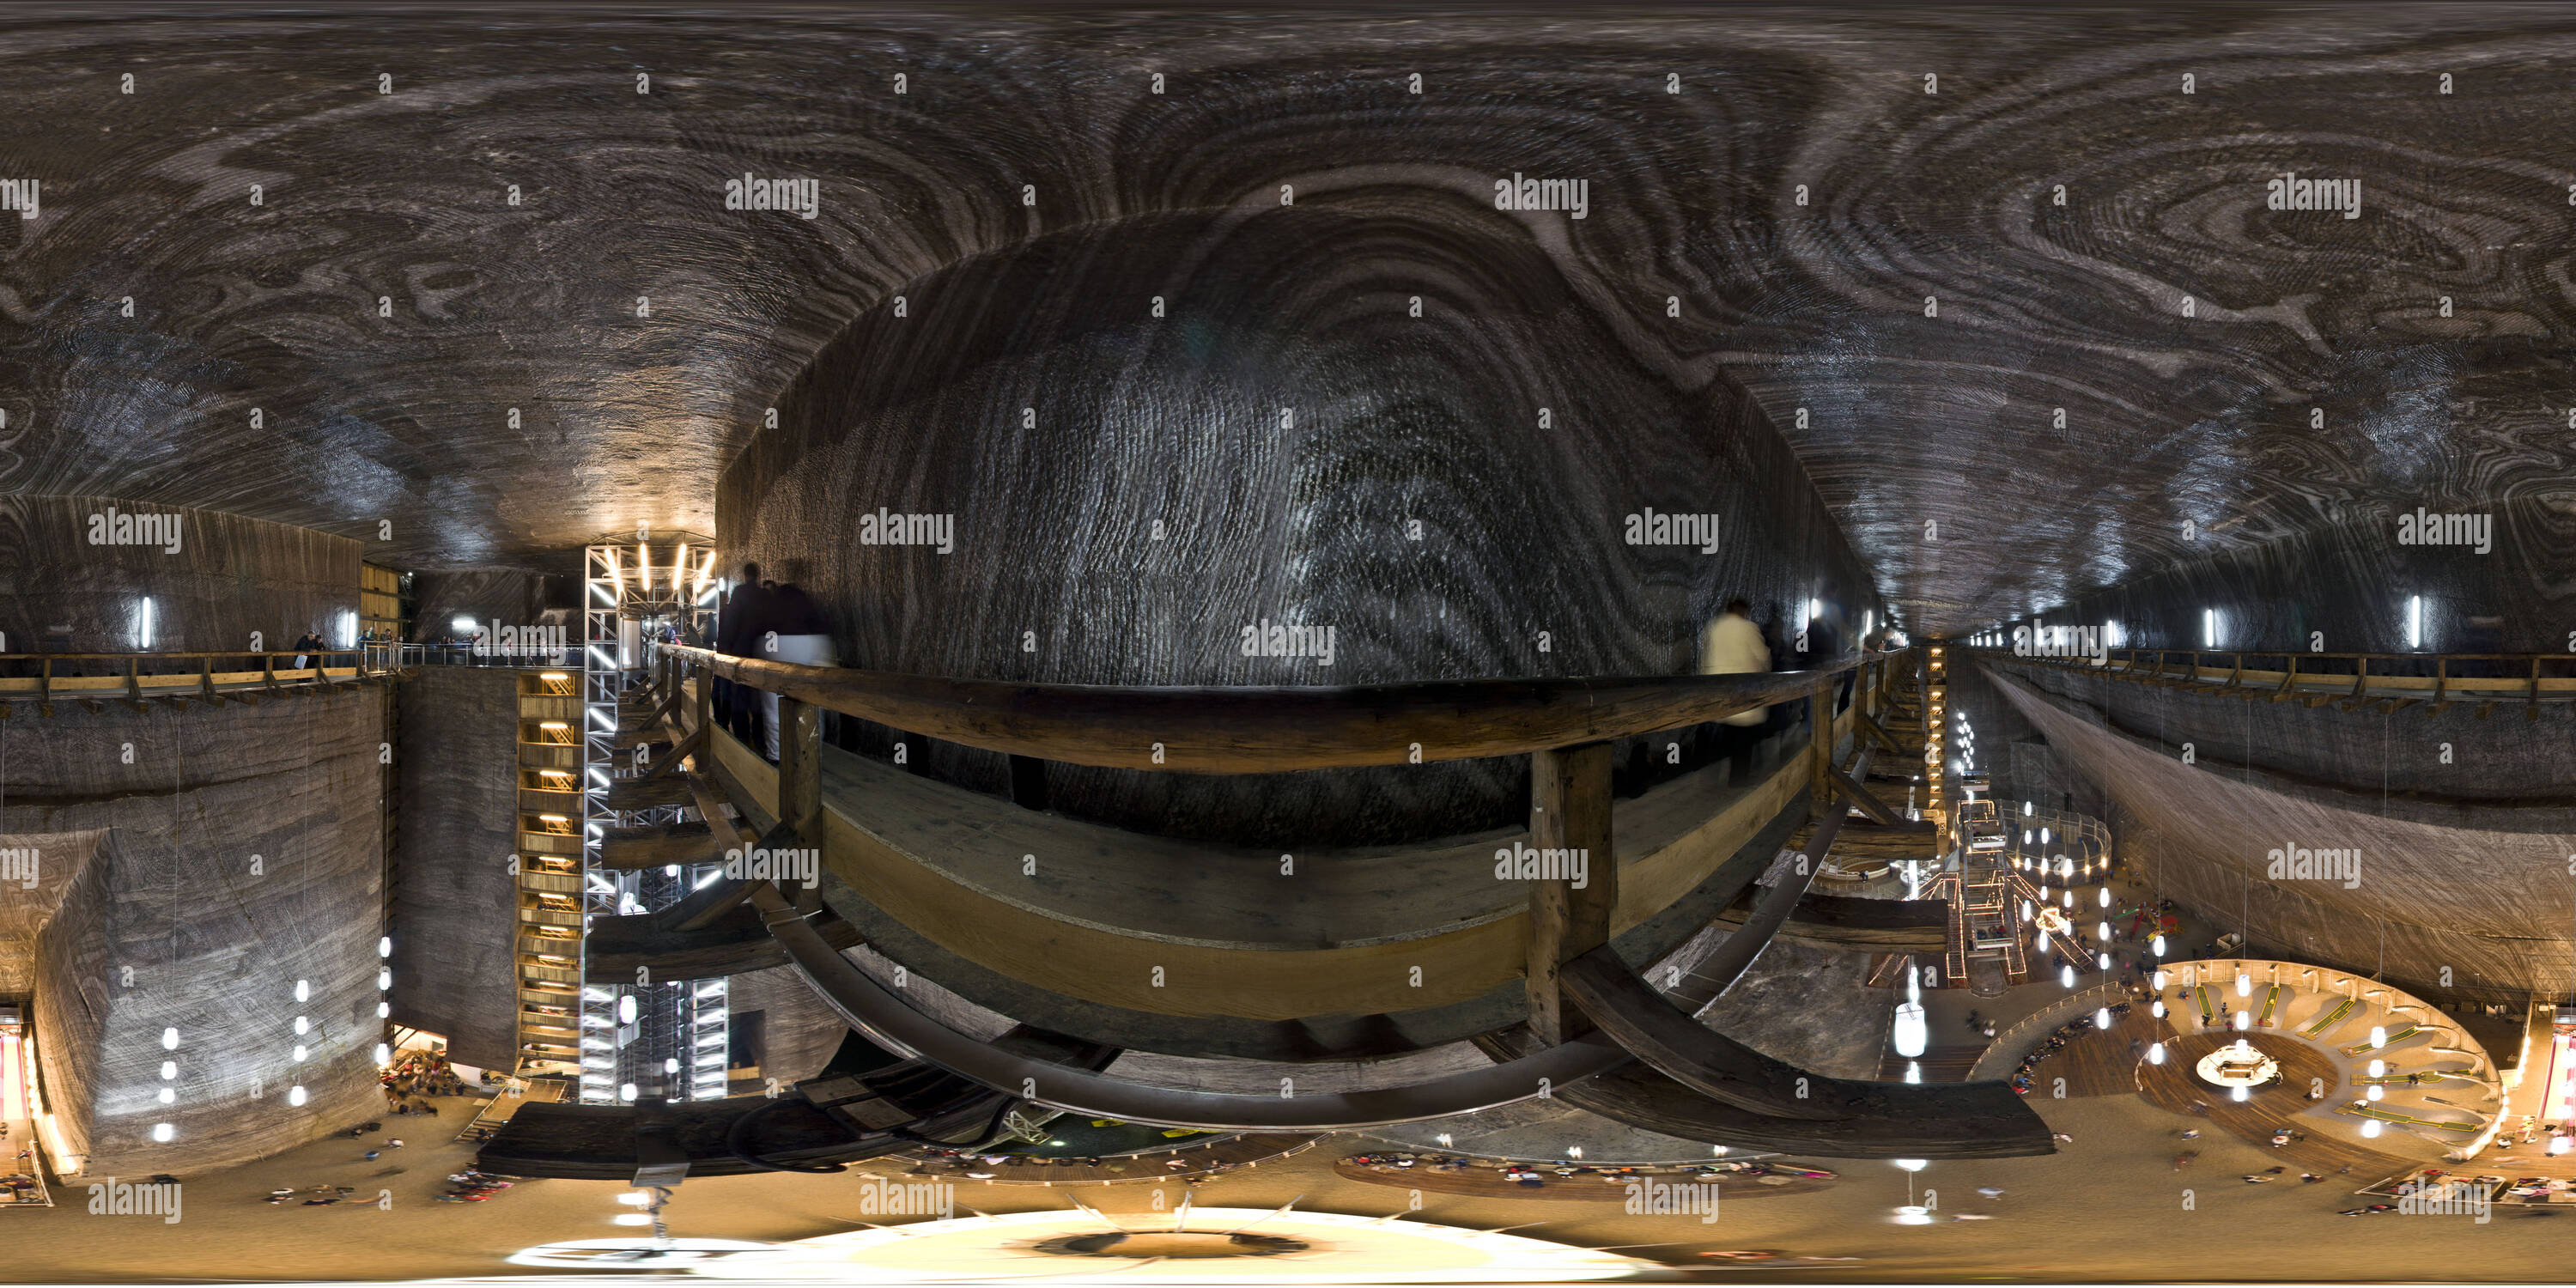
(2171, 1086)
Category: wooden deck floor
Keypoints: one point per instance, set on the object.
(2172, 1086)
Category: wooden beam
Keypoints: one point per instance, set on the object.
(1928, 1120)
(800, 786)
(1879, 811)
(1820, 751)
(679, 751)
(1569, 810)
(1878, 733)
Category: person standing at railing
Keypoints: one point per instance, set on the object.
(309, 643)
(797, 632)
(1732, 645)
(736, 635)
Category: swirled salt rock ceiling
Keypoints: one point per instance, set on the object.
(1910, 420)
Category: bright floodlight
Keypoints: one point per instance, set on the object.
(2102, 1018)
(1910, 1164)
(2238, 1094)
(1912, 1034)
(2156, 1053)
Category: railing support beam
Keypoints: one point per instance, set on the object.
(800, 780)
(1569, 811)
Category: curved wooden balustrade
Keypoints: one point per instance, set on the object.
(2400, 680)
(1262, 730)
(131, 679)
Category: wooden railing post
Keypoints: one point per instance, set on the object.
(702, 707)
(800, 776)
(1569, 812)
(1820, 749)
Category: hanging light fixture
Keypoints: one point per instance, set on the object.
(2102, 1018)
(2244, 984)
(2066, 977)
(2239, 1094)
(2156, 1053)
(2159, 946)
(2369, 1126)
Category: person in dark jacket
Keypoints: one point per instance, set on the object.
(738, 624)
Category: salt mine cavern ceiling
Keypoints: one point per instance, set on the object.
(1372, 618)
(1787, 222)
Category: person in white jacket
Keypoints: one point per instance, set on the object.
(1732, 645)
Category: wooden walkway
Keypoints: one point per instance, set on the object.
(504, 1105)
(1940, 1063)
(2172, 1086)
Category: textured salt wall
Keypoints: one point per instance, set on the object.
(73, 988)
(230, 576)
(509, 597)
(2345, 588)
(2489, 906)
(2503, 773)
(455, 904)
(799, 1032)
(245, 855)
(2016, 756)
(45, 868)
(1129, 492)
(1811, 1007)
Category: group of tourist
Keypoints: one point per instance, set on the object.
(775, 622)
(416, 1074)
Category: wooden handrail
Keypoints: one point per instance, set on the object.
(148, 657)
(1261, 729)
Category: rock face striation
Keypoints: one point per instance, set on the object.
(498, 297)
(229, 856)
(1071, 489)
(75, 572)
(455, 901)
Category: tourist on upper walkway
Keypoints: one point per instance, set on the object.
(1732, 645)
(734, 638)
